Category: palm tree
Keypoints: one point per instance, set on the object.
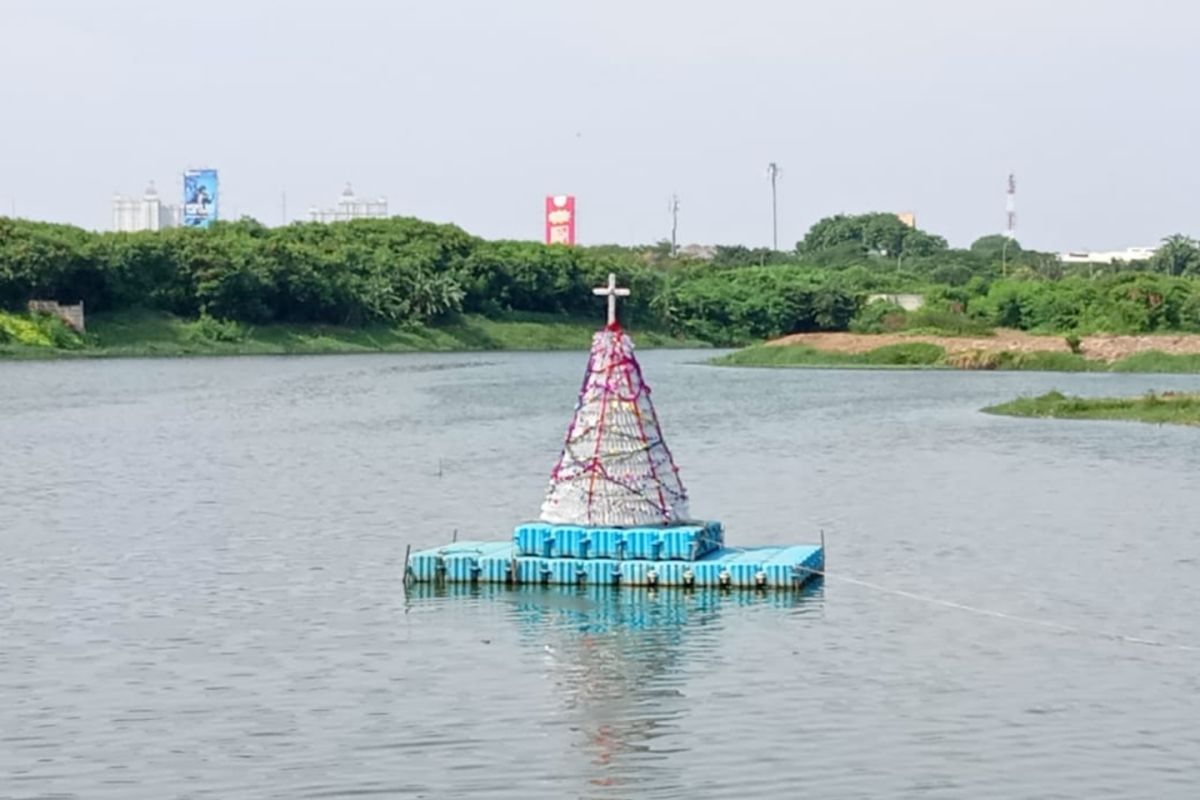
(1178, 255)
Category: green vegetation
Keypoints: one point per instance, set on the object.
(404, 282)
(923, 354)
(906, 354)
(127, 334)
(1166, 408)
(29, 333)
(1050, 361)
(1158, 361)
(881, 234)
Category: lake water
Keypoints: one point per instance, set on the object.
(200, 588)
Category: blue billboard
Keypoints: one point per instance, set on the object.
(199, 197)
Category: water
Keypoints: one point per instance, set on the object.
(200, 589)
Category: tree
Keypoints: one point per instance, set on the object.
(995, 245)
(1178, 255)
(878, 233)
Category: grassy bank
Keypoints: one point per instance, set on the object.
(915, 354)
(148, 334)
(1168, 408)
(932, 356)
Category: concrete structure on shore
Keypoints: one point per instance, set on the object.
(145, 213)
(350, 207)
(72, 315)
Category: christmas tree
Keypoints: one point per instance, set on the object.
(615, 468)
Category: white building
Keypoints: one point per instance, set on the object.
(350, 207)
(145, 213)
(1107, 256)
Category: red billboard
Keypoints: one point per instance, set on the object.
(560, 219)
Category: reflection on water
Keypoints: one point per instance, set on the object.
(614, 657)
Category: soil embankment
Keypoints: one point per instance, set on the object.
(1101, 347)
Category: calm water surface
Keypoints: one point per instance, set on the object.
(200, 591)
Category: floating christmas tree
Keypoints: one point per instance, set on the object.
(615, 468)
(616, 512)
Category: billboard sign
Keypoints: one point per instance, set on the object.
(560, 219)
(199, 197)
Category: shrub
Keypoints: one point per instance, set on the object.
(787, 355)
(946, 322)
(978, 359)
(879, 317)
(1052, 361)
(905, 354)
(1158, 361)
(39, 330)
(22, 331)
(210, 330)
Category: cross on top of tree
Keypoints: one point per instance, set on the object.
(612, 292)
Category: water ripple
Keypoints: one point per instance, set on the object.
(199, 589)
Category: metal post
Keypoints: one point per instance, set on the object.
(674, 224)
(773, 171)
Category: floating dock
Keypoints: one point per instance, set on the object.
(782, 567)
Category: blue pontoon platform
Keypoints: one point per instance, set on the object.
(779, 567)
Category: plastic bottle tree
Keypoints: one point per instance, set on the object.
(615, 468)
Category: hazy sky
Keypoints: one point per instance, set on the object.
(470, 112)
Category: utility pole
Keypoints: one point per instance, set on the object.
(1010, 228)
(774, 172)
(674, 223)
(283, 207)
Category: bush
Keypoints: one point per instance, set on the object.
(735, 305)
(786, 355)
(879, 317)
(977, 359)
(1158, 361)
(22, 331)
(210, 330)
(905, 354)
(946, 323)
(1051, 361)
(39, 330)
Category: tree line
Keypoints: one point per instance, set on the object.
(404, 271)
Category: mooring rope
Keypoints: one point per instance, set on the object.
(988, 612)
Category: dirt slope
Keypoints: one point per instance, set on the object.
(1103, 347)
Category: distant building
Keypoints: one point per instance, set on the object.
(909, 302)
(145, 213)
(350, 207)
(701, 252)
(908, 218)
(1107, 256)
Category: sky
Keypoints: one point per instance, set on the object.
(471, 111)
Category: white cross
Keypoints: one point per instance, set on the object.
(612, 292)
